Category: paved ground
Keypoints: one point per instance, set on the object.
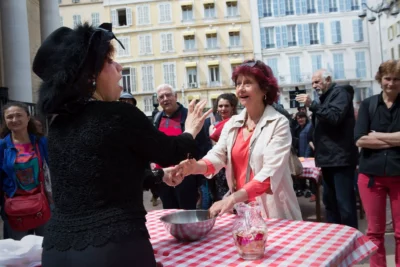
(308, 211)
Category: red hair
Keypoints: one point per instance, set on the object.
(263, 74)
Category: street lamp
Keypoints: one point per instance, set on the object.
(155, 105)
(382, 7)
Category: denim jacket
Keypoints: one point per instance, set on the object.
(8, 154)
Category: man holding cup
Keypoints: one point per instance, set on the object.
(335, 152)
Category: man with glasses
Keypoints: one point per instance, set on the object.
(171, 121)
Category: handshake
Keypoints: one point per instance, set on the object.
(173, 176)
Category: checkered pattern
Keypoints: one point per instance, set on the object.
(290, 243)
(310, 171)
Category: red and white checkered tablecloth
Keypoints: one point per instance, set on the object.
(290, 243)
(310, 171)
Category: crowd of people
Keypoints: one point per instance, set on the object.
(81, 187)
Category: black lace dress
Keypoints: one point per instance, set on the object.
(97, 160)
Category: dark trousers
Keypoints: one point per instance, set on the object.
(339, 195)
(183, 196)
(136, 252)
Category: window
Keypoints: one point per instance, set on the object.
(358, 30)
(322, 33)
(211, 40)
(267, 37)
(392, 52)
(190, 43)
(169, 74)
(75, 1)
(61, 21)
(264, 8)
(167, 44)
(291, 35)
(273, 64)
(209, 11)
(336, 33)
(148, 104)
(214, 75)
(338, 66)
(231, 9)
(187, 13)
(129, 80)
(95, 19)
(311, 6)
(147, 78)
(191, 77)
(143, 14)
(126, 43)
(145, 44)
(234, 39)
(295, 75)
(76, 20)
(390, 33)
(289, 7)
(361, 69)
(333, 6)
(316, 62)
(165, 12)
(313, 27)
(398, 29)
(355, 5)
(121, 17)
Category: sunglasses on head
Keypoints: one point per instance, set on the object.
(249, 64)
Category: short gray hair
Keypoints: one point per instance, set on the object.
(325, 74)
(164, 86)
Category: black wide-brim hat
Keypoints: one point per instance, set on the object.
(62, 58)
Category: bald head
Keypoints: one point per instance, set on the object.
(321, 81)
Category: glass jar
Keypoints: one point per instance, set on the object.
(249, 231)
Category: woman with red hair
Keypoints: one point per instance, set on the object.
(254, 147)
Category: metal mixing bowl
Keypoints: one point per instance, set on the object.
(188, 225)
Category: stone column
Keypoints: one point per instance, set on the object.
(49, 17)
(16, 50)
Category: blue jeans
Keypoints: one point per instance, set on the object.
(339, 195)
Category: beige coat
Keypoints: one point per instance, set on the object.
(269, 158)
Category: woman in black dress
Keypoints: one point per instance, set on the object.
(95, 145)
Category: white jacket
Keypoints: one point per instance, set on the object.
(269, 158)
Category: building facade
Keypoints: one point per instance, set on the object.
(298, 37)
(20, 39)
(192, 45)
(74, 12)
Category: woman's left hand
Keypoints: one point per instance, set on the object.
(222, 206)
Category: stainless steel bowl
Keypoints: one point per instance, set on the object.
(188, 225)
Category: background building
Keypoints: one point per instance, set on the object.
(299, 37)
(192, 45)
(24, 24)
(74, 12)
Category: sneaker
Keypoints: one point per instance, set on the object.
(299, 193)
(313, 198)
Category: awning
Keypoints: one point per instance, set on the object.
(236, 61)
(235, 29)
(213, 62)
(191, 97)
(188, 33)
(187, 3)
(208, 2)
(211, 31)
(214, 96)
(190, 64)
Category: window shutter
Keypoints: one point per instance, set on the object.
(146, 14)
(275, 7)
(129, 16)
(133, 79)
(284, 36)
(163, 42)
(361, 30)
(114, 19)
(263, 38)
(348, 5)
(326, 6)
(300, 34)
(334, 32)
(141, 44)
(356, 35)
(260, 4)
(304, 6)
(278, 37)
(127, 46)
(342, 5)
(298, 7)
(320, 6)
(168, 16)
(339, 33)
(282, 8)
(321, 33)
(306, 32)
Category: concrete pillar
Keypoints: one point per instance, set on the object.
(49, 17)
(16, 50)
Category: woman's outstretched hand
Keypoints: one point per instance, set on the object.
(195, 118)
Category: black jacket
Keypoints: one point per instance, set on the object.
(333, 120)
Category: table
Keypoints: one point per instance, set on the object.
(290, 243)
(310, 171)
